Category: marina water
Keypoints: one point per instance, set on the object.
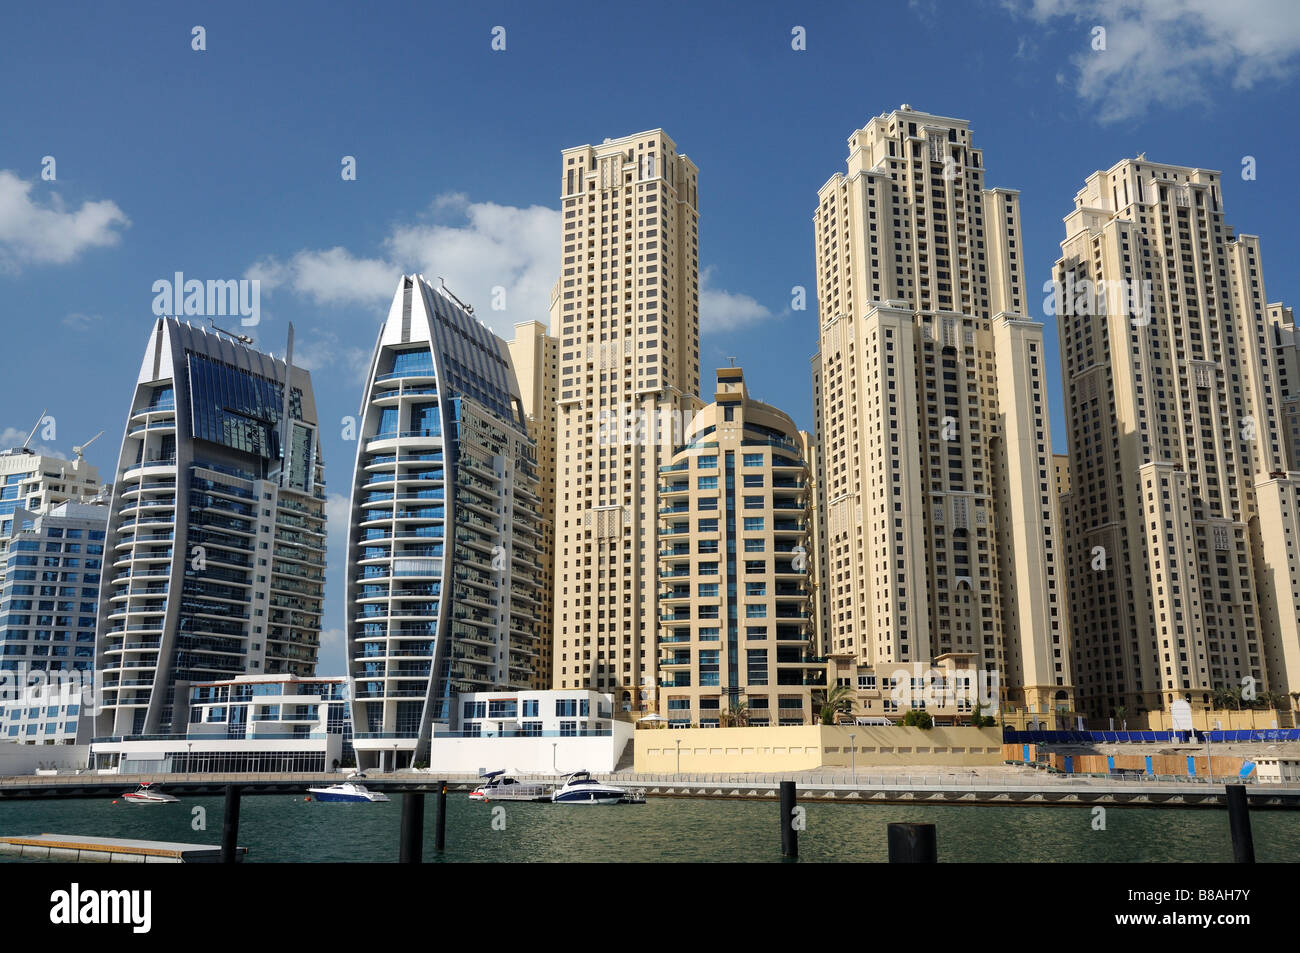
(287, 828)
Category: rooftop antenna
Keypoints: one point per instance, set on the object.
(79, 450)
(732, 360)
(241, 338)
(33, 433)
(469, 308)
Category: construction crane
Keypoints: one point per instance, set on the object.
(34, 429)
(79, 450)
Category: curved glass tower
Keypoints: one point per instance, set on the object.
(215, 555)
(443, 568)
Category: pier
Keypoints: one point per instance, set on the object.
(1035, 789)
(111, 850)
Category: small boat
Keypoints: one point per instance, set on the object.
(348, 792)
(499, 786)
(148, 793)
(582, 788)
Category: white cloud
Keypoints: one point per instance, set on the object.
(12, 437)
(82, 322)
(725, 310)
(502, 259)
(333, 276)
(489, 255)
(336, 525)
(35, 234)
(499, 258)
(323, 350)
(1171, 52)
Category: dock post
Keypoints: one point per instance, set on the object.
(1243, 845)
(411, 850)
(440, 826)
(913, 844)
(789, 835)
(230, 826)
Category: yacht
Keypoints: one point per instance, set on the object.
(499, 786)
(348, 792)
(148, 793)
(581, 788)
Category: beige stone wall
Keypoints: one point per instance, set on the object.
(758, 750)
(1205, 720)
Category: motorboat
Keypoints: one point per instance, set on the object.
(348, 792)
(581, 788)
(148, 793)
(499, 786)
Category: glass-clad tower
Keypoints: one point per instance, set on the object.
(443, 567)
(215, 555)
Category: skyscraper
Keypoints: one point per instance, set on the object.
(216, 538)
(1180, 388)
(535, 356)
(628, 322)
(936, 499)
(444, 559)
(736, 615)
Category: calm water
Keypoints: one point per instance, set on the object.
(285, 828)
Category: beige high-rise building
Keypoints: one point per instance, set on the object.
(535, 356)
(627, 316)
(737, 622)
(1180, 384)
(936, 492)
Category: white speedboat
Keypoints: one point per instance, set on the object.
(581, 788)
(348, 792)
(148, 793)
(499, 786)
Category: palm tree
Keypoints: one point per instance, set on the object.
(737, 716)
(1120, 712)
(832, 701)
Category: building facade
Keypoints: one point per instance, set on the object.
(1180, 390)
(251, 723)
(216, 535)
(627, 316)
(535, 356)
(36, 483)
(545, 713)
(736, 631)
(50, 594)
(444, 570)
(940, 550)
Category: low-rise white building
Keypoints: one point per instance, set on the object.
(1277, 769)
(532, 731)
(252, 723)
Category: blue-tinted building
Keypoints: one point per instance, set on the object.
(47, 622)
(216, 541)
(443, 568)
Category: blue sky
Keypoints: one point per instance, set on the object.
(225, 163)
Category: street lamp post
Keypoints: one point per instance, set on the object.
(554, 746)
(679, 756)
(853, 752)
